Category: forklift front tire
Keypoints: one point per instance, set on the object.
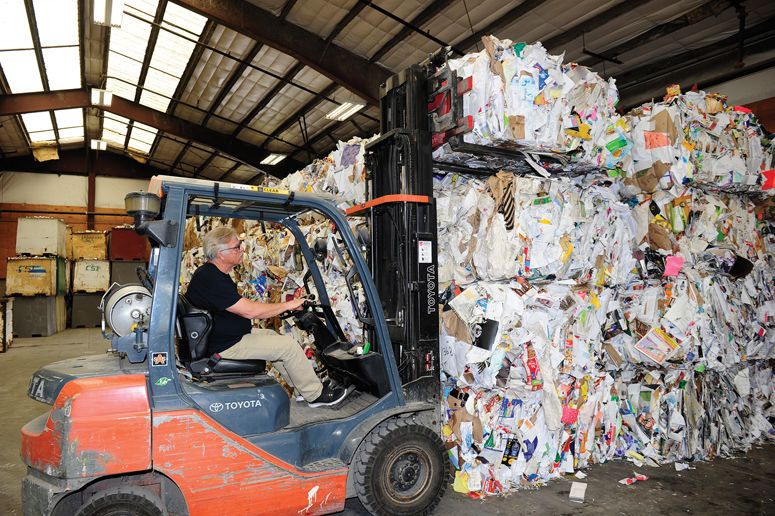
(123, 501)
(400, 469)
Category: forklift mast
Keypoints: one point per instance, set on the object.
(401, 214)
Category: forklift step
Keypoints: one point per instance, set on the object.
(323, 465)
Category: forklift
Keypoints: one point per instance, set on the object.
(156, 426)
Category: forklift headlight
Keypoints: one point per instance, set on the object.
(142, 206)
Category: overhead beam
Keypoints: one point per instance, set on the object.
(16, 104)
(74, 161)
(347, 69)
(45, 101)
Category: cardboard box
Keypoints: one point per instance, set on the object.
(126, 244)
(91, 275)
(38, 236)
(36, 275)
(90, 245)
(39, 316)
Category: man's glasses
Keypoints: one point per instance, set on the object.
(239, 246)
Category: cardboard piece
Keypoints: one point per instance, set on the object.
(461, 415)
(659, 237)
(517, 126)
(496, 66)
(647, 179)
(663, 123)
(455, 326)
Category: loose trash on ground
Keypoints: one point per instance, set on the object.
(577, 491)
(632, 480)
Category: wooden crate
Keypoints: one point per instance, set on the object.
(39, 316)
(36, 275)
(37, 236)
(90, 245)
(6, 323)
(126, 244)
(91, 275)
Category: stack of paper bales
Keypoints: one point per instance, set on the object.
(619, 306)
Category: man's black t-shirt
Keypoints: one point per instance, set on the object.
(214, 291)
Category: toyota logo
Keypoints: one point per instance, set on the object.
(216, 407)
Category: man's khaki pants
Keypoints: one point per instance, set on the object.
(284, 353)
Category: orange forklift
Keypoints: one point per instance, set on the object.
(156, 426)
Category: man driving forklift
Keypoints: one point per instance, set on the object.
(232, 337)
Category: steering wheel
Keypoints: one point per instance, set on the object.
(307, 306)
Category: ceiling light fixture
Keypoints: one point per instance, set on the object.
(101, 97)
(345, 110)
(99, 144)
(108, 12)
(273, 159)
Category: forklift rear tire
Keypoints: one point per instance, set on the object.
(123, 501)
(400, 470)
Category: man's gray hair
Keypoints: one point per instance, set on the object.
(216, 240)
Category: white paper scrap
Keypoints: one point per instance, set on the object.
(577, 490)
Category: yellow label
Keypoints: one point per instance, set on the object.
(273, 190)
(567, 247)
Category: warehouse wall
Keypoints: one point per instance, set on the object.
(25, 194)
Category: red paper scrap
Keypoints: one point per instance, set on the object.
(630, 481)
(769, 179)
(569, 415)
(655, 139)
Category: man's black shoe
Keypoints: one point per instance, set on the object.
(329, 397)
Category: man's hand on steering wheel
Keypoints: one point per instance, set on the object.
(297, 304)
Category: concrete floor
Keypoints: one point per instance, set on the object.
(743, 485)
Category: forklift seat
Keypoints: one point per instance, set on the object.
(194, 326)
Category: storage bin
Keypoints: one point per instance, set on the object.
(125, 272)
(91, 275)
(6, 323)
(36, 275)
(85, 311)
(90, 245)
(126, 244)
(69, 242)
(38, 316)
(41, 236)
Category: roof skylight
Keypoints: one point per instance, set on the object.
(39, 126)
(169, 57)
(171, 54)
(56, 24)
(69, 124)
